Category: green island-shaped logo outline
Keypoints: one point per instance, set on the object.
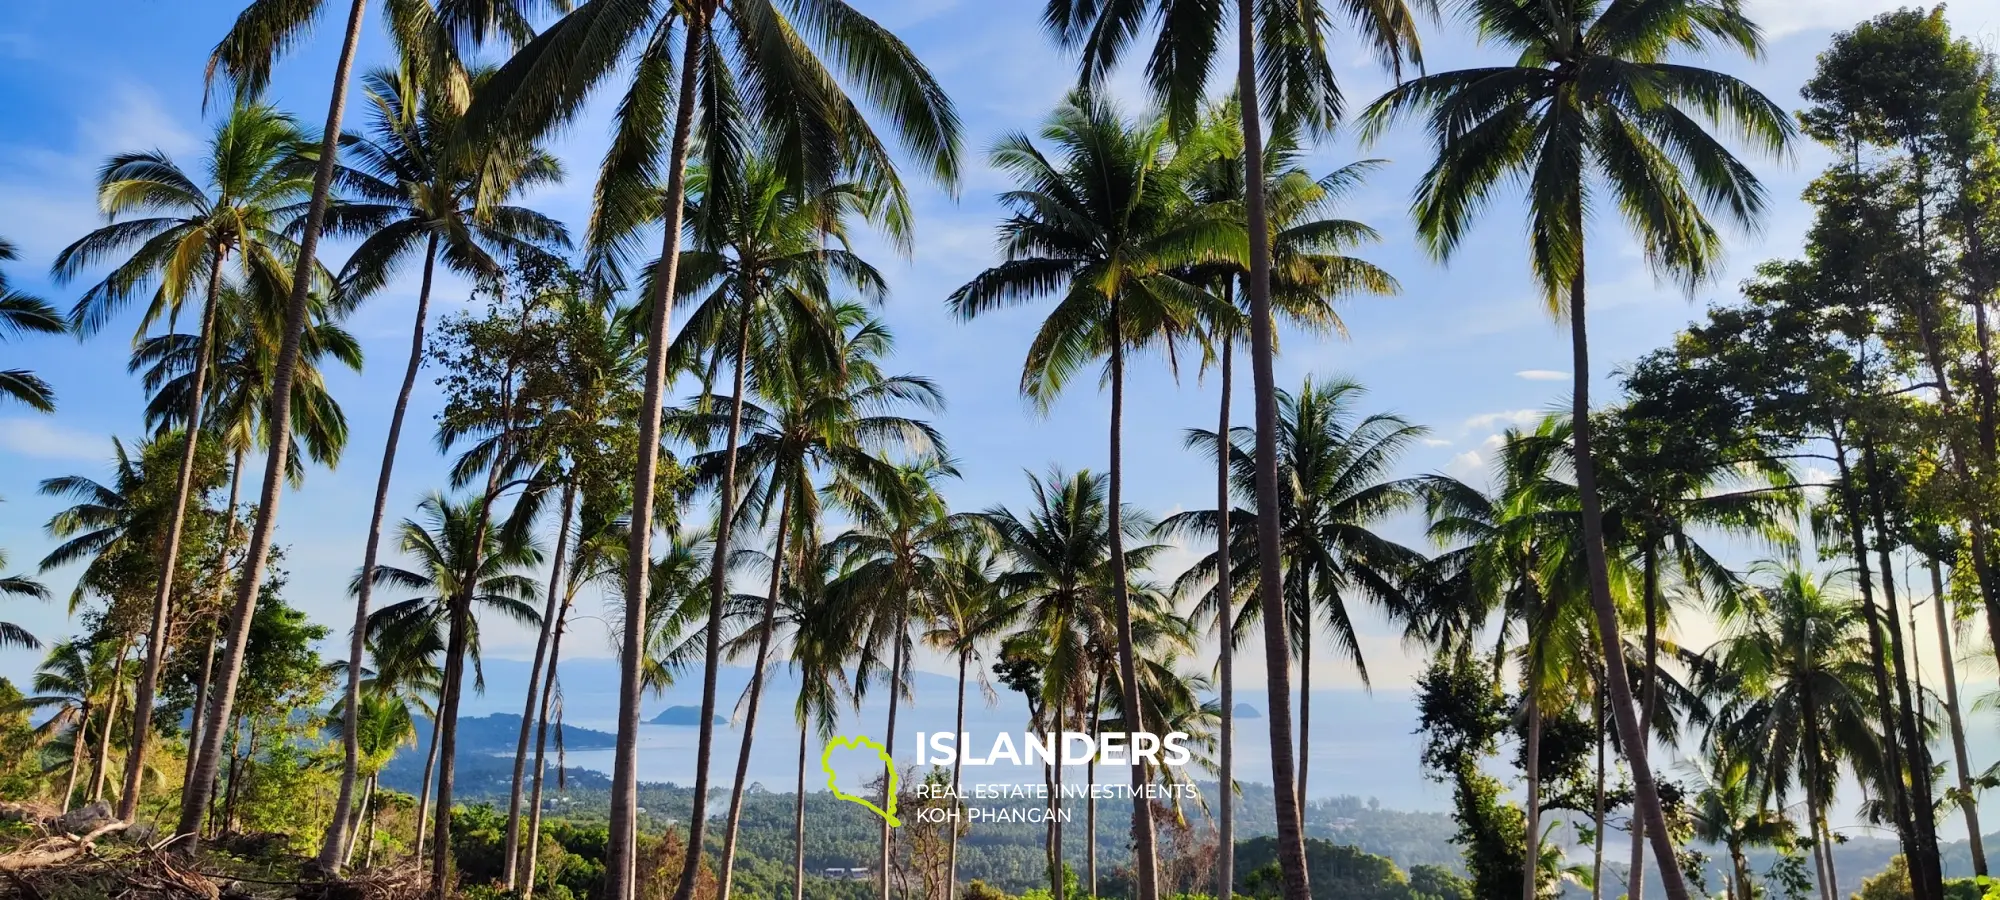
(847, 743)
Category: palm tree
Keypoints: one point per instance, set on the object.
(1794, 691)
(1594, 96)
(75, 682)
(1059, 586)
(1103, 227)
(1334, 466)
(1312, 273)
(386, 725)
(972, 611)
(892, 572)
(21, 313)
(830, 421)
(265, 29)
(762, 267)
(12, 635)
(422, 186)
(461, 567)
(1284, 74)
(185, 234)
(1729, 811)
(766, 76)
(822, 642)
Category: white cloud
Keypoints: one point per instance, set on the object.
(1542, 375)
(1436, 442)
(43, 439)
(1466, 466)
(1492, 420)
(1783, 17)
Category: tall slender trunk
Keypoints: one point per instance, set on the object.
(1531, 844)
(1832, 872)
(424, 794)
(1649, 597)
(1926, 871)
(532, 704)
(170, 552)
(368, 832)
(239, 769)
(357, 642)
(1812, 776)
(1145, 858)
(718, 592)
(1277, 656)
(194, 798)
(1090, 775)
(100, 766)
(447, 729)
(78, 740)
(1597, 801)
(1305, 714)
(1056, 869)
(957, 764)
(799, 821)
(1225, 622)
(1647, 801)
(734, 818)
(542, 740)
(1858, 539)
(197, 716)
(362, 816)
(622, 848)
(1950, 665)
(896, 663)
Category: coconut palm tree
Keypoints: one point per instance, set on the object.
(422, 187)
(461, 568)
(181, 232)
(1793, 685)
(1593, 97)
(387, 725)
(1104, 228)
(827, 421)
(768, 70)
(1058, 585)
(1728, 810)
(761, 267)
(972, 612)
(74, 686)
(21, 313)
(892, 571)
(12, 635)
(1284, 75)
(1334, 465)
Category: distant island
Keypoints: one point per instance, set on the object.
(682, 715)
(1246, 711)
(500, 732)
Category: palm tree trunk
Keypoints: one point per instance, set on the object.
(957, 806)
(99, 767)
(239, 769)
(424, 794)
(1225, 868)
(77, 742)
(718, 592)
(197, 715)
(799, 821)
(532, 704)
(1826, 840)
(362, 816)
(1146, 862)
(368, 831)
(1623, 709)
(623, 847)
(1812, 777)
(1649, 597)
(1926, 871)
(447, 729)
(1090, 774)
(1277, 656)
(1531, 848)
(1858, 541)
(194, 798)
(1056, 870)
(1597, 803)
(735, 815)
(1950, 665)
(170, 553)
(357, 644)
(542, 740)
(1305, 714)
(896, 663)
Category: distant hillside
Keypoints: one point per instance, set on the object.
(677, 715)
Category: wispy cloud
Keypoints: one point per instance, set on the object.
(1501, 419)
(1542, 375)
(43, 439)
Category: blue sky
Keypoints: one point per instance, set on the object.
(1467, 349)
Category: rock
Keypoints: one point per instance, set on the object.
(86, 819)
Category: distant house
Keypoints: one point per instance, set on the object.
(859, 873)
(835, 873)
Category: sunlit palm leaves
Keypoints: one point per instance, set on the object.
(22, 314)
